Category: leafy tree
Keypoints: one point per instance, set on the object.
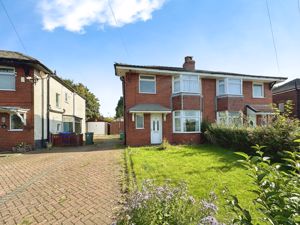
(120, 108)
(92, 102)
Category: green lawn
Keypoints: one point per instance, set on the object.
(204, 168)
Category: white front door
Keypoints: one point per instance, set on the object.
(156, 129)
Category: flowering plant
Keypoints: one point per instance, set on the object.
(167, 204)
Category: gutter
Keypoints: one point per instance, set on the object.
(48, 108)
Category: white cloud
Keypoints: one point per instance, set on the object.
(74, 15)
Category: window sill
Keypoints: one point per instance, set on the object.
(7, 89)
(258, 97)
(195, 132)
(147, 93)
(186, 93)
(15, 130)
(230, 95)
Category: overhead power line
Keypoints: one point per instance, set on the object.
(116, 22)
(13, 26)
(272, 32)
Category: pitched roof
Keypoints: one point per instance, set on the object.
(16, 57)
(293, 84)
(181, 69)
(149, 108)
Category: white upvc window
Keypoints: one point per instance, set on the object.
(139, 121)
(230, 86)
(147, 84)
(66, 98)
(230, 118)
(186, 83)
(258, 90)
(7, 79)
(16, 123)
(57, 100)
(186, 121)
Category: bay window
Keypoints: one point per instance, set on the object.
(186, 83)
(186, 121)
(229, 86)
(258, 90)
(230, 118)
(7, 79)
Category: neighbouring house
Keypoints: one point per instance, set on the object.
(35, 103)
(171, 102)
(288, 91)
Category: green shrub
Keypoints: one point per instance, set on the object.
(236, 138)
(277, 135)
(167, 204)
(277, 189)
(164, 145)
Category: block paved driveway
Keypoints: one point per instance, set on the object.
(61, 186)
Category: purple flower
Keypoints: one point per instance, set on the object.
(209, 220)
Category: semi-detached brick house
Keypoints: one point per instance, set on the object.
(34, 102)
(171, 102)
(288, 91)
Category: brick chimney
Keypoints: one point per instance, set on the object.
(189, 63)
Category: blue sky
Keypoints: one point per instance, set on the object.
(81, 40)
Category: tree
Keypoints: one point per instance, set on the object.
(120, 108)
(92, 102)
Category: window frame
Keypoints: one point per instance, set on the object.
(226, 86)
(10, 123)
(142, 75)
(181, 78)
(66, 97)
(135, 119)
(227, 118)
(262, 90)
(59, 100)
(182, 117)
(12, 74)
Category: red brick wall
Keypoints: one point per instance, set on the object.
(289, 95)
(238, 103)
(116, 127)
(22, 97)
(164, 97)
(209, 99)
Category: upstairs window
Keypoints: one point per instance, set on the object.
(57, 100)
(66, 98)
(7, 79)
(258, 90)
(186, 83)
(229, 86)
(147, 84)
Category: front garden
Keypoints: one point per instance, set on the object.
(253, 184)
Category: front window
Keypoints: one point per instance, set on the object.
(147, 84)
(78, 127)
(139, 121)
(258, 90)
(7, 79)
(16, 122)
(186, 83)
(230, 86)
(186, 121)
(230, 118)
